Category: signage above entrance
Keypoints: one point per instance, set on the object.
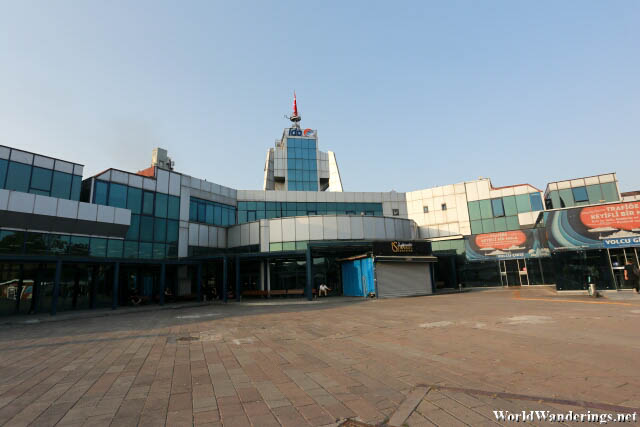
(402, 248)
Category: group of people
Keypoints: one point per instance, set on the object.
(632, 275)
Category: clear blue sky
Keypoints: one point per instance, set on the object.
(408, 94)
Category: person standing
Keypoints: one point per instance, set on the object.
(632, 276)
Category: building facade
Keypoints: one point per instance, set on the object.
(121, 238)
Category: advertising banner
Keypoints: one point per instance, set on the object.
(529, 243)
(595, 227)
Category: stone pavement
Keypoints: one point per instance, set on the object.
(219, 365)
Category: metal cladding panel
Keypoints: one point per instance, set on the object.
(254, 233)
(357, 227)
(344, 227)
(162, 181)
(330, 228)
(193, 234)
(351, 279)
(315, 228)
(302, 228)
(275, 230)
(403, 279)
(390, 230)
(203, 235)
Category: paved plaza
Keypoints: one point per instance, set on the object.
(438, 360)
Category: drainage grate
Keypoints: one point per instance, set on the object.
(354, 423)
(188, 339)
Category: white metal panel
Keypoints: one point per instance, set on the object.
(592, 180)
(483, 189)
(4, 198)
(369, 225)
(607, 178)
(122, 216)
(21, 156)
(21, 202)
(275, 230)
(344, 227)
(288, 230)
(45, 205)
(472, 191)
(63, 166)
(162, 181)
(254, 233)
(380, 232)
(330, 227)
(302, 228)
(185, 196)
(135, 180)
(193, 234)
(244, 234)
(183, 242)
(78, 170)
(222, 237)
(389, 228)
(213, 237)
(4, 153)
(43, 162)
(203, 235)
(563, 185)
(315, 228)
(149, 184)
(174, 184)
(119, 177)
(357, 227)
(521, 189)
(233, 236)
(105, 213)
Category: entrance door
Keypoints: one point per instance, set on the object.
(618, 258)
(513, 272)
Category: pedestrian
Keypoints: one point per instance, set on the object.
(632, 276)
(323, 290)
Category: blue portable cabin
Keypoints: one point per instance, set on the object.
(357, 276)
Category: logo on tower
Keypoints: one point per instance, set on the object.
(309, 132)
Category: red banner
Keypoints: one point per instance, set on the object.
(504, 240)
(620, 216)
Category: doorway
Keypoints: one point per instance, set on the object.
(618, 258)
(514, 272)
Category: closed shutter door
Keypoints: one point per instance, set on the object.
(403, 279)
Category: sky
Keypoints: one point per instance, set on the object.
(409, 95)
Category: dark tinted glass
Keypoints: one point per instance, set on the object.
(41, 179)
(100, 193)
(76, 187)
(536, 202)
(18, 177)
(134, 228)
(147, 203)
(498, 208)
(98, 247)
(11, 241)
(160, 230)
(134, 200)
(580, 194)
(146, 228)
(114, 248)
(61, 186)
(118, 195)
(3, 171)
(161, 205)
(174, 208)
(172, 231)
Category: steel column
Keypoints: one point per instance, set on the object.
(309, 285)
(225, 278)
(116, 274)
(56, 288)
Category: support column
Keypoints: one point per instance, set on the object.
(163, 281)
(309, 285)
(268, 273)
(199, 281)
(116, 274)
(56, 288)
(225, 278)
(262, 269)
(237, 278)
(92, 287)
(20, 285)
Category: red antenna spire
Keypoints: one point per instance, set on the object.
(295, 105)
(295, 117)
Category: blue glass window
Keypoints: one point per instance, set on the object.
(76, 186)
(118, 195)
(580, 194)
(498, 208)
(114, 248)
(160, 230)
(193, 210)
(61, 185)
(3, 171)
(536, 202)
(98, 247)
(134, 200)
(174, 208)
(146, 228)
(172, 231)
(100, 193)
(41, 179)
(162, 201)
(147, 203)
(18, 177)
(145, 250)
(130, 249)
(134, 229)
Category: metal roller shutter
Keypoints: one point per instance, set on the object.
(403, 279)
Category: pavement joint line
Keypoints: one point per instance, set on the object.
(86, 341)
(516, 396)
(407, 406)
(516, 296)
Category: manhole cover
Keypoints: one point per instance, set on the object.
(188, 339)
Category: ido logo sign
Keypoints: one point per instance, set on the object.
(300, 132)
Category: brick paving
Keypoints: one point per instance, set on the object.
(315, 367)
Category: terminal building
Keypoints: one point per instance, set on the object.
(155, 236)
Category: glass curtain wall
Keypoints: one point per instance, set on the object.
(26, 178)
(253, 211)
(212, 213)
(153, 233)
(501, 214)
(302, 166)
